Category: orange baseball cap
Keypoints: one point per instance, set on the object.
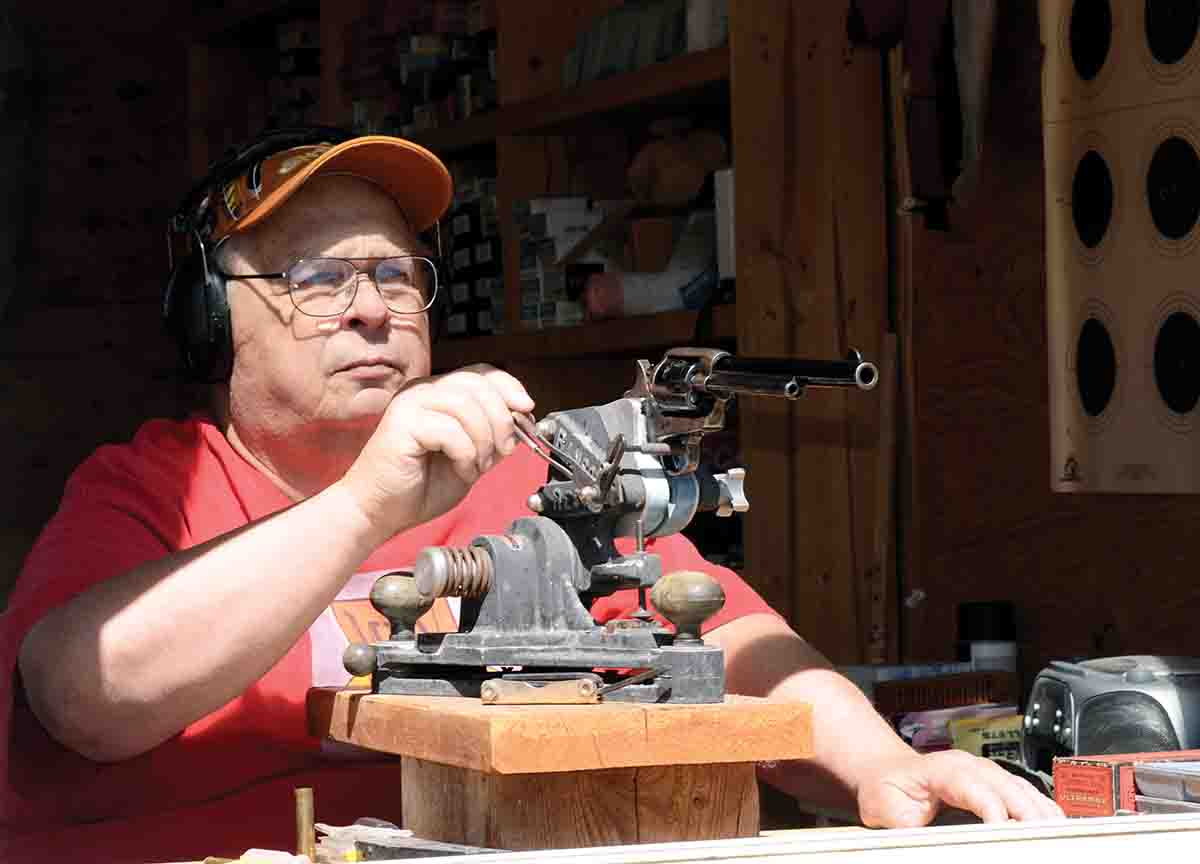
(416, 178)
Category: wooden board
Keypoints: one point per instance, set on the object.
(531, 739)
(811, 232)
(1146, 837)
(580, 808)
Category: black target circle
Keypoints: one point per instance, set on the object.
(1090, 36)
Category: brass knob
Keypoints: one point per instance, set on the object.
(396, 597)
(359, 659)
(687, 598)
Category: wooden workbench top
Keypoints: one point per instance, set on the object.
(528, 739)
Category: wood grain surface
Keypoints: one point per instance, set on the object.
(578, 809)
(534, 739)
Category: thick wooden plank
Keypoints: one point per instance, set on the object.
(860, 236)
(683, 802)
(759, 38)
(545, 738)
(522, 811)
(908, 515)
(579, 809)
(883, 644)
(787, 80)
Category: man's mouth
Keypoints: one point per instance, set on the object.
(370, 365)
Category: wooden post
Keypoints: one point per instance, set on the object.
(570, 776)
(576, 809)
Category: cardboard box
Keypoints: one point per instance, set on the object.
(1103, 785)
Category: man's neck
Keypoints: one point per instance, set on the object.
(301, 461)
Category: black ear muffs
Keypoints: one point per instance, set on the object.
(196, 310)
(195, 304)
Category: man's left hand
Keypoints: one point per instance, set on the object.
(911, 792)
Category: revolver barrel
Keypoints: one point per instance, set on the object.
(686, 380)
(788, 377)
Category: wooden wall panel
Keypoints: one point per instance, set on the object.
(536, 37)
(811, 275)
(1090, 574)
(83, 356)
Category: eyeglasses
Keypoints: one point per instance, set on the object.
(325, 287)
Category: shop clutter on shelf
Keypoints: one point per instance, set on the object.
(473, 275)
(656, 251)
(414, 66)
(949, 705)
(641, 32)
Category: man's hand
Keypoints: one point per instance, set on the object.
(437, 437)
(911, 792)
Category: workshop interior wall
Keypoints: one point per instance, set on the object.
(1089, 574)
(83, 357)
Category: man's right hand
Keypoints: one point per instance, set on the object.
(437, 437)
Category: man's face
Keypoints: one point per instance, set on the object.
(294, 371)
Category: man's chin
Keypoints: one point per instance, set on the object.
(367, 405)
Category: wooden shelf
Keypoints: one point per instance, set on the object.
(695, 79)
(616, 336)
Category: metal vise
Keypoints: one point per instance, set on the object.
(629, 468)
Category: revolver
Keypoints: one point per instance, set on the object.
(629, 468)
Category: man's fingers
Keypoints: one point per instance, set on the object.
(495, 408)
(993, 794)
(511, 390)
(465, 407)
(436, 432)
(971, 792)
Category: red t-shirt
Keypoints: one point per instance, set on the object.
(225, 783)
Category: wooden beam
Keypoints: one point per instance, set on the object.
(760, 40)
(537, 739)
(861, 277)
(812, 265)
(579, 809)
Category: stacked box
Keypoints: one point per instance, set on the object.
(474, 267)
(434, 56)
(641, 32)
(550, 228)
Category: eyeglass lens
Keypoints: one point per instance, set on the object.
(326, 286)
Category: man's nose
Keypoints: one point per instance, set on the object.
(367, 308)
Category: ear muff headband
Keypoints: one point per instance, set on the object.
(195, 302)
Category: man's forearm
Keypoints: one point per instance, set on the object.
(850, 739)
(131, 662)
(764, 657)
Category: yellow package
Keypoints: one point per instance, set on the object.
(991, 737)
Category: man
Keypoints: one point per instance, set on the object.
(190, 589)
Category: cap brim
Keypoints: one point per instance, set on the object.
(416, 178)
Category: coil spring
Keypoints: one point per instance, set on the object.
(458, 571)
